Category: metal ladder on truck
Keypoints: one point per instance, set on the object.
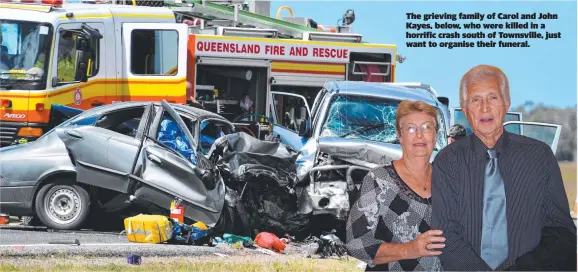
(228, 13)
(219, 16)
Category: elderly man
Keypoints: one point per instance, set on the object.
(498, 197)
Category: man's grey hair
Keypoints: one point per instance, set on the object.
(480, 73)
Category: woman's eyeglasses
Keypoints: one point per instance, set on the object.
(424, 128)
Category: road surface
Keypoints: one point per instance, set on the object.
(30, 241)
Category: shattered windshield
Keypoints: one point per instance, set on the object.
(367, 118)
(24, 54)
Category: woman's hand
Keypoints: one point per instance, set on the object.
(427, 243)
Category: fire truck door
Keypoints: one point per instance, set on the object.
(80, 95)
(155, 61)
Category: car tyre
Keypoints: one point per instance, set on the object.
(62, 205)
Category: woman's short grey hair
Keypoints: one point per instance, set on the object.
(480, 73)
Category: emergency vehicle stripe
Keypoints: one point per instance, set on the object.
(93, 93)
(308, 67)
(43, 94)
(172, 71)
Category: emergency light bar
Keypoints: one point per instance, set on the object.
(332, 37)
(247, 32)
(53, 3)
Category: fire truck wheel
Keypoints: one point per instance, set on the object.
(62, 205)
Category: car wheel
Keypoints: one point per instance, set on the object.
(62, 205)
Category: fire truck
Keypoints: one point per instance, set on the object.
(229, 56)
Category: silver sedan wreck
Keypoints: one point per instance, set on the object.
(134, 154)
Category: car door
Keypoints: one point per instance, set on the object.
(317, 101)
(288, 130)
(103, 157)
(547, 133)
(162, 174)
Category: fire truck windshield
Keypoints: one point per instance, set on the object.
(24, 54)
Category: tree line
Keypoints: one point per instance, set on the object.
(566, 117)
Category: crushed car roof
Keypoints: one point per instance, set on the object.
(380, 90)
(191, 110)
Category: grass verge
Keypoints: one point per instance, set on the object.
(568, 170)
(205, 263)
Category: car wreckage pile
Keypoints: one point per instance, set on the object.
(262, 197)
(260, 179)
(138, 158)
(260, 202)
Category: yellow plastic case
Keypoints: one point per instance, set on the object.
(146, 228)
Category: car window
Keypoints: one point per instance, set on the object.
(124, 121)
(211, 130)
(170, 134)
(291, 111)
(189, 122)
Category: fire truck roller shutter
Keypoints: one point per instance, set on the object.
(371, 70)
(370, 67)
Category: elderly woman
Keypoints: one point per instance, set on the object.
(389, 225)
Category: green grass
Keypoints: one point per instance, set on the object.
(568, 170)
(236, 264)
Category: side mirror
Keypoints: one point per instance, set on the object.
(207, 177)
(85, 36)
(444, 100)
(83, 55)
(304, 128)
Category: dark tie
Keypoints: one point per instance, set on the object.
(494, 224)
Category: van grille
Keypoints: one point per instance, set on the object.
(8, 132)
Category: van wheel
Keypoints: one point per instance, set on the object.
(62, 205)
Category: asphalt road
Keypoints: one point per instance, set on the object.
(27, 241)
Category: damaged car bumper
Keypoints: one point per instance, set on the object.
(332, 196)
(335, 169)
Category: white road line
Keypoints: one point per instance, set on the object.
(74, 245)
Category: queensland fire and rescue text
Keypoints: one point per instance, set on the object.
(272, 50)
